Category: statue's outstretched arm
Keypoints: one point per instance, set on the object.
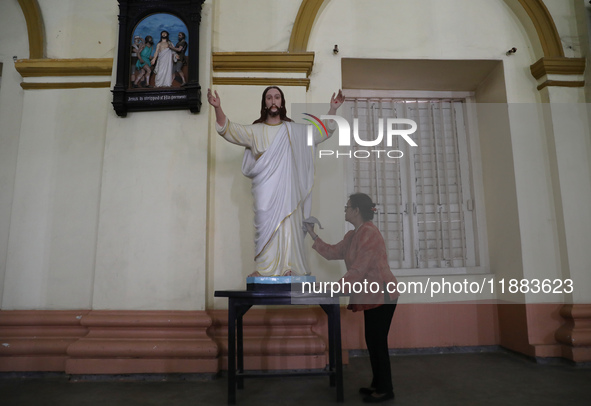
(216, 103)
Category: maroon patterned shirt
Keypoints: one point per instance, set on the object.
(366, 258)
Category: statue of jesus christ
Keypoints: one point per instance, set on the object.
(280, 163)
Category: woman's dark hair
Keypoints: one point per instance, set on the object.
(363, 202)
(282, 109)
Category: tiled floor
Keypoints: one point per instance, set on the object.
(492, 378)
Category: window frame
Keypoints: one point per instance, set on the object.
(473, 168)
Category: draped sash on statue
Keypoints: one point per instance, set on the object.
(282, 179)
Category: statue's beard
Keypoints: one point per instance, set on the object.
(273, 113)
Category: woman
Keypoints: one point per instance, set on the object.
(366, 258)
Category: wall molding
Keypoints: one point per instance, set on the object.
(63, 85)
(35, 340)
(64, 67)
(34, 21)
(276, 339)
(561, 83)
(300, 34)
(261, 81)
(276, 62)
(298, 62)
(124, 342)
(545, 27)
(558, 66)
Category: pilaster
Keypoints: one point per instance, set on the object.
(561, 84)
(575, 334)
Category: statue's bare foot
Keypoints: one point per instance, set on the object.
(255, 274)
(288, 273)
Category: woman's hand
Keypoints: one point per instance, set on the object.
(310, 229)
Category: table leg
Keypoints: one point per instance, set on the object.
(335, 354)
(231, 352)
(240, 343)
(331, 344)
(338, 353)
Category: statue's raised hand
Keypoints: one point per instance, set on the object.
(216, 103)
(213, 100)
(336, 101)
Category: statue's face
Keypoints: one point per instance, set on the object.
(273, 101)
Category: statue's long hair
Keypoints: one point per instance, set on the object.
(282, 109)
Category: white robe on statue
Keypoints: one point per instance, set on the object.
(281, 166)
(163, 69)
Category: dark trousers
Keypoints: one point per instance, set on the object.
(377, 326)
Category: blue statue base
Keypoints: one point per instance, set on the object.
(276, 283)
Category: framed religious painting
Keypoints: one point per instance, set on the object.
(158, 56)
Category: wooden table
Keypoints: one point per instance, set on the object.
(240, 301)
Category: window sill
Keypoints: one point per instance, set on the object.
(474, 270)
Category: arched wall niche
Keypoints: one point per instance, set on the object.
(547, 35)
(530, 13)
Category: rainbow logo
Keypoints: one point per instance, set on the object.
(323, 134)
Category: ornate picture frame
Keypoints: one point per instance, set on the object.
(158, 56)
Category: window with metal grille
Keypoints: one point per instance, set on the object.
(424, 199)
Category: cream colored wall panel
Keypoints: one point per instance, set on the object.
(502, 214)
(151, 238)
(57, 187)
(152, 227)
(13, 42)
(539, 239)
(231, 199)
(80, 28)
(256, 25)
(567, 129)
